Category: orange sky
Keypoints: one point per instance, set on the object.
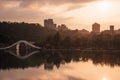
(74, 13)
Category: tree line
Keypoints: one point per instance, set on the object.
(91, 41)
(11, 32)
(58, 58)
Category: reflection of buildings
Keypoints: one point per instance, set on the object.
(48, 66)
(48, 23)
(97, 57)
(96, 28)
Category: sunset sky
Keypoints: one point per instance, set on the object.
(74, 13)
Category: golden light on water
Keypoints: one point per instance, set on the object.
(104, 78)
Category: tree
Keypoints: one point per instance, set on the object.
(57, 39)
(4, 39)
(67, 41)
(77, 42)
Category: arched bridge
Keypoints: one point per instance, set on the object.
(21, 49)
(18, 43)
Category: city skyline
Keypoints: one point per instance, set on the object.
(50, 24)
(77, 14)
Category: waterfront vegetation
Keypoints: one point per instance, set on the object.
(11, 32)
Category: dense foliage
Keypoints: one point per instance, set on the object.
(11, 32)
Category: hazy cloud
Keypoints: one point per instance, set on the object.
(35, 10)
(73, 7)
(26, 3)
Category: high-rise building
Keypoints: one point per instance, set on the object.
(111, 27)
(48, 23)
(96, 28)
(62, 27)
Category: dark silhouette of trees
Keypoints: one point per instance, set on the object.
(4, 39)
(11, 32)
(67, 42)
(116, 41)
(25, 31)
(57, 39)
(77, 42)
(58, 58)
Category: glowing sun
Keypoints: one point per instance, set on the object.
(103, 5)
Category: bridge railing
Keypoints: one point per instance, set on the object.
(19, 42)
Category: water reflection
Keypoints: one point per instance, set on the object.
(18, 49)
(52, 59)
(22, 56)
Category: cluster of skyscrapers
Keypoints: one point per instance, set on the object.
(49, 23)
(96, 28)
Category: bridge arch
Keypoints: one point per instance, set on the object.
(19, 42)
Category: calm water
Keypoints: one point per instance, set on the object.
(61, 65)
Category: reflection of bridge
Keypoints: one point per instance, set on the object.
(23, 57)
(21, 49)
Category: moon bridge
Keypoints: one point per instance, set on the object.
(19, 42)
(21, 49)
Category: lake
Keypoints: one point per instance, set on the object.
(61, 65)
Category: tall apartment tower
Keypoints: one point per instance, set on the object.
(48, 23)
(96, 28)
(111, 27)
